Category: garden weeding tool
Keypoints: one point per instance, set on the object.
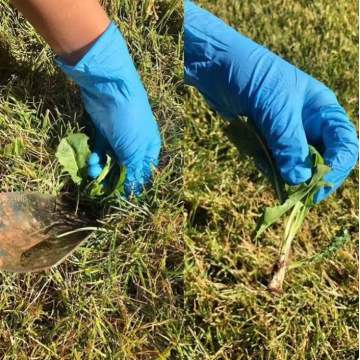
(38, 231)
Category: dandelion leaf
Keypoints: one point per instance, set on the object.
(72, 153)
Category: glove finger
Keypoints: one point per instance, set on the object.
(139, 174)
(149, 166)
(97, 158)
(285, 136)
(153, 151)
(151, 160)
(134, 182)
(341, 147)
(139, 168)
(335, 177)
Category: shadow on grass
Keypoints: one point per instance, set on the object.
(47, 89)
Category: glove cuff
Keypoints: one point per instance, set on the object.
(107, 60)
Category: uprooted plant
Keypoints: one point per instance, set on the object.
(73, 152)
(298, 200)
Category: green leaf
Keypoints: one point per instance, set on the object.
(98, 188)
(119, 187)
(105, 170)
(337, 243)
(316, 157)
(304, 192)
(72, 153)
(110, 182)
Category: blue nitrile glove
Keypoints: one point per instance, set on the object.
(291, 109)
(117, 103)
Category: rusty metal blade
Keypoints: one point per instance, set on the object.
(38, 231)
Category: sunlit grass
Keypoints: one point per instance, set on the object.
(230, 313)
(121, 295)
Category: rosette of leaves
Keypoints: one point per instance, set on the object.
(73, 153)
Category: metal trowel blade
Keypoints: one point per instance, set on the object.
(37, 231)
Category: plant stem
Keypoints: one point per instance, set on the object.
(293, 224)
(78, 230)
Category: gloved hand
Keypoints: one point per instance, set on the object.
(290, 108)
(117, 103)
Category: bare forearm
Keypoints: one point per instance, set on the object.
(69, 26)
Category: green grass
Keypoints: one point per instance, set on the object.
(120, 296)
(230, 314)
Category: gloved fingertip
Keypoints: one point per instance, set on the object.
(94, 171)
(93, 159)
(150, 165)
(321, 195)
(154, 163)
(132, 189)
(134, 183)
(147, 178)
(296, 175)
(153, 150)
(326, 191)
(334, 178)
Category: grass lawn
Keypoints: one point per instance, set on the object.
(230, 314)
(120, 296)
(140, 289)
